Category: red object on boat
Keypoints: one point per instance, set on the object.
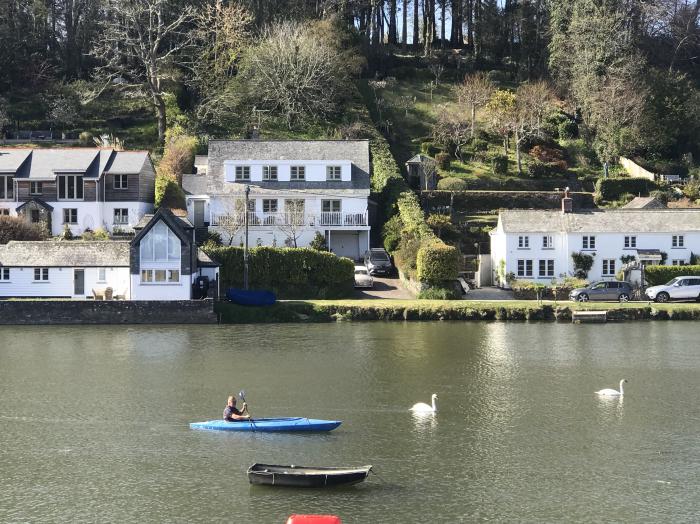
(313, 519)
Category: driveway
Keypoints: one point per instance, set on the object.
(489, 293)
(385, 288)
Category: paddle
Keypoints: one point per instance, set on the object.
(241, 394)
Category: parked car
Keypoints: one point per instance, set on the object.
(377, 262)
(363, 278)
(680, 288)
(603, 290)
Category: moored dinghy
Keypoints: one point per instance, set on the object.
(305, 477)
(269, 424)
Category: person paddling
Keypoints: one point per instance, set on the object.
(231, 414)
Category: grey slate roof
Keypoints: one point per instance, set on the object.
(126, 162)
(194, 184)
(356, 151)
(145, 219)
(601, 221)
(12, 159)
(75, 253)
(204, 260)
(644, 203)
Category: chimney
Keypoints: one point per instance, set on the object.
(567, 203)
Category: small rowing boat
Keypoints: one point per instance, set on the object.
(269, 424)
(305, 477)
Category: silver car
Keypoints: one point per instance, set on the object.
(363, 278)
(680, 288)
(603, 290)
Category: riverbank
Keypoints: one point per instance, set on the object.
(366, 310)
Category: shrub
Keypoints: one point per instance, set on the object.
(440, 293)
(86, 138)
(16, 228)
(178, 157)
(567, 130)
(452, 183)
(547, 154)
(692, 189)
(611, 189)
(392, 233)
(583, 262)
(98, 234)
(657, 275)
(437, 263)
(537, 169)
(169, 194)
(499, 165)
(318, 242)
(443, 160)
(479, 144)
(289, 272)
(66, 234)
(429, 148)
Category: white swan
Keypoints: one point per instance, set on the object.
(422, 407)
(612, 392)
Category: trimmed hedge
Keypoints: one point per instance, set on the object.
(657, 275)
(289, 272)
(609, 189)
(473, 201)
(437, 262)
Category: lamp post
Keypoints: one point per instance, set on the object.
(245, 246)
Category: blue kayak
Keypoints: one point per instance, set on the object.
(269, 424)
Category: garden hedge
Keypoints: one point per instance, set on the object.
(437, 262)
(657, 275)
(610, 189)
(289, 272)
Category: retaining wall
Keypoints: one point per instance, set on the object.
(25, 312)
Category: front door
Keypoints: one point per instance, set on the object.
(198, 213)
(78, 281)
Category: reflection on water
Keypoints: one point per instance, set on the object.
(95, 421)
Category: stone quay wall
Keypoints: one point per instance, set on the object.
(27, 312)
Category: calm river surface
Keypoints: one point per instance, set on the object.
(94, 422)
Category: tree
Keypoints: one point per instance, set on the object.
(293, 222)
(406, 102)
(141, 46)
(503, 114)
(17, 228)
(440, 224)
(437, 69)
(232, 219)
(319, 242)
(476, 91)
(452, 130)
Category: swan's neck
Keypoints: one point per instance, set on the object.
(622, 391)
(434, 406)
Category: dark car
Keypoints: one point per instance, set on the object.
(603, 290)
(377, 262)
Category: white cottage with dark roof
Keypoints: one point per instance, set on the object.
(84, 188)
(297, 188)
(537, 245)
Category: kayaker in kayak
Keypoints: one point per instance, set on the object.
(231, 414)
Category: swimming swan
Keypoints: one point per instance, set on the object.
(422, 407)
(612, 392)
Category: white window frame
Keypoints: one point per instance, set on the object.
(588, 242)
(297, 173)
(148, 243)
(4, 274)
(546, 268)
(41, 274)
(102, 274)
(334, 173)
(70, 211)
(123, 182)
(7, 187)
(169, 276)
(36, 188)
(630, 241)
(547, 242)
(242, 173)
(78, 187)
(270, 173)
(332, 205)
(270, 205)
(678, 262)
(526, 270)
(608, 267)
(678, 241)
(524, 242)
(121, 216)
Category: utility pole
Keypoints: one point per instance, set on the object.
(245, 247)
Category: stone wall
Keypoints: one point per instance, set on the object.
(27, 312)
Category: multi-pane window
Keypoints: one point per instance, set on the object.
(523, 242)
(588, 242)
(524, 267)
(70, 216)
(680, 262)
(121, 215)
(35, 188)
(102, 274)
(547, 242)
(160, 245)
(160, 276)
(677, 241)
(630, 242)
(242, 172)
(4, 273)
(608, 267)
(269, 205)
(269, 172)
(546, 268)
(333, 172)
(70, 187)
(7, 191)
(121, 182)
(41, 274)
(298, 173)
(330, 206)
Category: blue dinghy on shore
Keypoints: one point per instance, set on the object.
(269, 424)
(249, 297)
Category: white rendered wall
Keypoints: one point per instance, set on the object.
(117, 278)
(315, 170)
(149, 291)
(61, 282)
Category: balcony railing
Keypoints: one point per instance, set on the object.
(256, 219)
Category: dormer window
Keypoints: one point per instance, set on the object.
(270, 173)
(333, 172)
(35, 188)
(70, 187)
(121, 182)
(588, 242)
(242, 173)
(677, 241)
(523, 242)
(547, 242)
(298, 173)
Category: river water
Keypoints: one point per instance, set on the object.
(94, 422)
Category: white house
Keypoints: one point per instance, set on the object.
(85, 188)
(538, 245)
(162, 262)
(297, 188)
